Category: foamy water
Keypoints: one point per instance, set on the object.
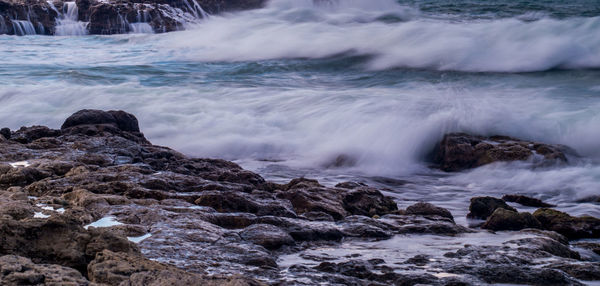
(286, 89)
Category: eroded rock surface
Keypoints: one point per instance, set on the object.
(460, 151)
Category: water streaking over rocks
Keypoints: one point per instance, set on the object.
(161, 217)
(367, 92)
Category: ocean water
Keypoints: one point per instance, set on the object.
(286, 89)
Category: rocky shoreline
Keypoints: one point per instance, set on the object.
(95, 203)
(102, 17)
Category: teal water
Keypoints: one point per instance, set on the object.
(286, 89)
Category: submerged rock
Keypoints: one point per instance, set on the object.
(460, 151)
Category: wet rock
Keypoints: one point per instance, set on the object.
(594, 247)
(422, 208)
(29, 134)
(309, 196)
(229, 201)
(181, 278)
(23, 176)
(368, 202)
(302, 230)
(547, 245)
(269, 236)
(482, 207)
(419, 260)
(367, 271)
(18, 209)
(526, 201)
(57, 240)
(581, 270)
(5, 131)
(317, 216)
(503, 219)
(416, 224)
(519, 275)
(38, 14)
(233, 220)
(17, 270)
(460, 151)
(569, 226)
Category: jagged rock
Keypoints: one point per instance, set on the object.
(526, 201)
(29, 134)
(569, 226)
(112, 17)
(58, 240)
(308, 196)
(482, 207)
(422, 208)
(22, 17)
(503, 219)
(583, 270)
(460, 151)
(368, 202)
(269, 236)
(17, 270)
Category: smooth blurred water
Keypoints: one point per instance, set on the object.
(287, 89)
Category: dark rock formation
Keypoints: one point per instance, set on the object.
(482, 207)
(17, 270)
(19, 17)
(428, 209)
(503, 219)
(269, 236)
(526, 201)
(22, 17)
(460, 151)
(569, 226)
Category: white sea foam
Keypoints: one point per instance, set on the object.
(40, 215)
(104, 222)
(20, 164)
(138, 239)
(301, 29)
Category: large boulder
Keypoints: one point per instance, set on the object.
(120, 119)
(91, 122)
(569, 226)
(460, 151)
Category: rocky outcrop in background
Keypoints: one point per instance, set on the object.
(99, 17)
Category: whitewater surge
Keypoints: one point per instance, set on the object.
(303, 29)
